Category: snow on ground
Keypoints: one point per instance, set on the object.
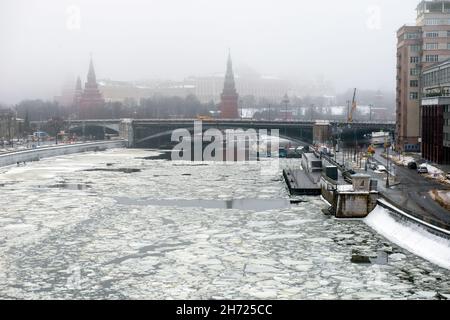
(433, 172)
(445, 195)
(345, 188)
(402, 160)
(411, 237)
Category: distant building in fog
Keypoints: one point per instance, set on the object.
(205, 88)
(67, 93)
(10, 125)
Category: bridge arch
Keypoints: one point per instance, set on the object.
(97, 131)
(168, 133)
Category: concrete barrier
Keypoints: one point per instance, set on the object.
(433, 227)
(46, 152)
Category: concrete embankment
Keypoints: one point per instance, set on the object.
(46, 152)
(421, 238)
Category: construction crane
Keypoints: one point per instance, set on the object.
(350, 115)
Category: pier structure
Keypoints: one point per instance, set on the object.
(317, 176)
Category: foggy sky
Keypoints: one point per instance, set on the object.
(342, 41)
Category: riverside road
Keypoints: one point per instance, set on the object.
(412, 192)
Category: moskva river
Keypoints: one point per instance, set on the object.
(121, 225)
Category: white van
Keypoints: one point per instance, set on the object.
(422, 169)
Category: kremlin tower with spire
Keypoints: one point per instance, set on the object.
(229, 97)
(90, 100)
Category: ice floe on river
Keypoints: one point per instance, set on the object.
(66, 242)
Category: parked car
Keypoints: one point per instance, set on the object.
(40, 135)
(412, 165)
(381, 168)
(422, 169)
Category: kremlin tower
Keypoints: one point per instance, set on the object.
(229, 97)
(89, 101)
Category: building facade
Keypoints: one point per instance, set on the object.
(435, 113)
(10, 126)
(418, 47)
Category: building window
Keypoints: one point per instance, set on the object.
(414, 83)
(431, 22)
(411, 35)
(413, 95)
(432, 58)
(415, 47)
(431, 46)
(432, 34)
(414, 71)
(436, 22)
(414, 59)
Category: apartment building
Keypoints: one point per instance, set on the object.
(418, 47)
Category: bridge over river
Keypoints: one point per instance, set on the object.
(156, 132)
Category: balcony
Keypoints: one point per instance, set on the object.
(432, 95)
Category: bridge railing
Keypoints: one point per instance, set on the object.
(331, 122)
